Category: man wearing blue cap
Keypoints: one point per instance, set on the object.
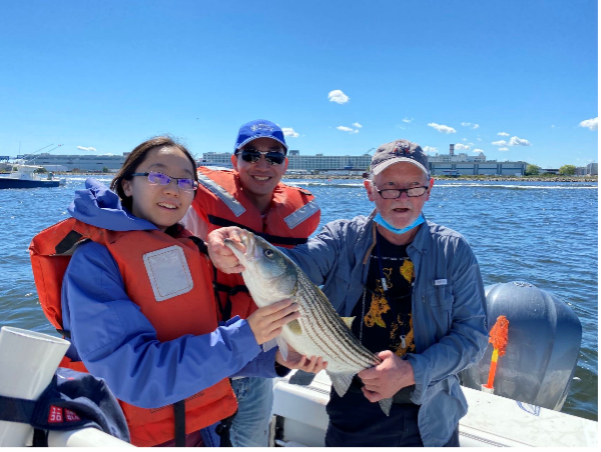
(417, 298)
(253, 197)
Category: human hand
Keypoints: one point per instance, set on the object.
(297, 361)
(387, 378)
(222, 256)
(267, 322)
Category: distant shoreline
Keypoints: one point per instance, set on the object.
(464, 178)
(445, 178)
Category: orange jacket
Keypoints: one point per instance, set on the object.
(220, 201)
(50, 253)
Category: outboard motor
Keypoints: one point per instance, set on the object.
(542, 348)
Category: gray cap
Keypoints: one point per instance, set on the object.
(398, 151)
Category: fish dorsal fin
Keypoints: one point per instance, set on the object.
(348, 321)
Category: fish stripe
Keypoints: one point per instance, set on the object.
(331, 333)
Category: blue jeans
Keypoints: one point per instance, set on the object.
(251, 424)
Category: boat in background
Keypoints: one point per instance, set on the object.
(26, 177)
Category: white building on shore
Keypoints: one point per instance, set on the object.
(304, 162)
(473, 165)
(440, 164)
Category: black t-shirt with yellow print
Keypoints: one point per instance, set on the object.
(383, 320)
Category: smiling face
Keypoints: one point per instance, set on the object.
(403, 211)
(260, 179)
(162, 205)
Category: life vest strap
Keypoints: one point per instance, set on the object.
(226, 311)
(179, 415)
(68, 242)
(202, 246)
(64, 333)
(273, 239)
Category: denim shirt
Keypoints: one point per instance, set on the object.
(448, 308)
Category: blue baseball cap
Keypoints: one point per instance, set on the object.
(259, 128)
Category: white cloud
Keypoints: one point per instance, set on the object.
(515, 141)
(464, 139)
(289, 132)
(479, 139)
(477, 150)
(469, 124)
(503, 134)
(407, 120)
(499, 143)
(356, 124)
(347, 129)
(429, 149)
(86, 149)
(552, 126)
(461, 147)
(503, 149)
(476, 126)
(441, 128)
(338, 96)
(590, 123)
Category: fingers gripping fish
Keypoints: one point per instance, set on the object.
(271, 277)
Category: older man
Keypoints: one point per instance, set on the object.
(415, 290)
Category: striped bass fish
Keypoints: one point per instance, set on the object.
(272, 276)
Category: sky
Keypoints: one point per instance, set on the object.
(515, 79)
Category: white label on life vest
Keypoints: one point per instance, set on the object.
(440, 282)
(168, 272)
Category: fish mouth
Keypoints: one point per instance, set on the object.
(243, 249)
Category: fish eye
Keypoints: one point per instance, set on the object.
(268, 253)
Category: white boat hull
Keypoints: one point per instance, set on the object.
(300, 419)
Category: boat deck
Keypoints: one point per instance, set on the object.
(492, 421)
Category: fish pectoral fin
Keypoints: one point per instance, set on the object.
(348, 321)
(283, 347)
(279, 342)
(386, 404)
(295, 327)
(270, 344)
(341, 381)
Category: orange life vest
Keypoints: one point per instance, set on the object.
(220, 201)
(136, 254)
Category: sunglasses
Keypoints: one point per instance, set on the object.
(156, 178)
(253, 156)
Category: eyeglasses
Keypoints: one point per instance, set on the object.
(253, 156)
(156, 178)
(395, 193)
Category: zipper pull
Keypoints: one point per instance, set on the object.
(403, 343)
(384, 285)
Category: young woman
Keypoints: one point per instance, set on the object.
(136, 300)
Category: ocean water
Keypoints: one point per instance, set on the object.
(543, 233)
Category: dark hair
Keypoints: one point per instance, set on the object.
(137, 156)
